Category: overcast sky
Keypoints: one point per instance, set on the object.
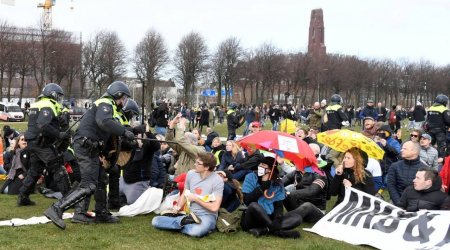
(395, 29)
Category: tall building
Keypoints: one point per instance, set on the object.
(316, 42)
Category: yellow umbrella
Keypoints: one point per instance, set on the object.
(287, 126)
(342, 140)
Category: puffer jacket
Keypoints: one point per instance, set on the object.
(400, 175)
(429, 199)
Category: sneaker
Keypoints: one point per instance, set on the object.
(172, 213)
(190, 219)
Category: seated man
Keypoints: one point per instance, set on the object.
(425, 193)
(202, 183)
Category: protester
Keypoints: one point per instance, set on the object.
(382, 112)
(161, 116)
(232, 156)
(233, 121)
(232, 193)
(9, 134)
(218, 149)
(201, 183)
(186, 144)
(250, 163)
(264, 214)
(210, 135)
(351, 173)
(415, 135)
(419, 114)
(315, 116)
(369, 111)
(428, 153)
(19, 159)
(425, 193)
(402, 173)
(370, 127)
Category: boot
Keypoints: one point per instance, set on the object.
(259, 231)
(55, 211)
(291, 234)
(81, 215)
(24, 200)
(105, 217)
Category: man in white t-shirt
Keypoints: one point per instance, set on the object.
(203, 192)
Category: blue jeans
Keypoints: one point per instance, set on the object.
(196, 230)
(161, 130)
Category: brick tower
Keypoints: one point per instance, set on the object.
(316, 42)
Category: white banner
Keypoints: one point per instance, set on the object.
(362, 219)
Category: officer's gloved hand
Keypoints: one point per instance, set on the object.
(129, 135)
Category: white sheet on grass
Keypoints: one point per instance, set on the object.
(146, 203)
(31, 221)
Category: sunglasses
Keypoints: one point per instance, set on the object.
(413, 135)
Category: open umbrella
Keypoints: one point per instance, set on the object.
(284, 145)
(342, 140)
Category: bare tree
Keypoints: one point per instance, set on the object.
(23, 59)
(189, 62)
(150, 57)
(269, 66)
(103, 60)
(6, 50)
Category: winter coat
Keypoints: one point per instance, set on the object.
(400, 175)
(430, 199)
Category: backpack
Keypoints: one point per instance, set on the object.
(392, 117)
(228, 222)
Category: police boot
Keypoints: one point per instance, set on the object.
(24, 200)
(105, 217)
(55, 211)
(102, 215)
(81, 214)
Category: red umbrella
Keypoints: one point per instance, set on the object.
(284, 145)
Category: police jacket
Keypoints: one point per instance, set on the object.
(438, 116)
(43, 123)
(400, 175)
(430, 199)
(100, 121)
(335, 115)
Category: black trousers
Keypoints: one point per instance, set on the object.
(44, 158)
(256, 217)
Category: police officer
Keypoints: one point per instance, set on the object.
(130, 110)
(44, 132)
(96, 127)
(335, 115)
(438, 119)
(233, 121)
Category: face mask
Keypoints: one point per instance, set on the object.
(261, 171)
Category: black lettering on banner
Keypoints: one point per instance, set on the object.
(349, 206)
(380, 226)
(446, 238)
(364, 207)
(424, 230)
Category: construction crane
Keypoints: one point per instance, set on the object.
(47, 15)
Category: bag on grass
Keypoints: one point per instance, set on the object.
(228, 222)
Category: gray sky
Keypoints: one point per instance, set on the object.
(395, 29)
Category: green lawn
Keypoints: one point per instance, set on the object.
(136, 232)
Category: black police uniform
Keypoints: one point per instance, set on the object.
(336, 116)
(438, 119)
(44, 132)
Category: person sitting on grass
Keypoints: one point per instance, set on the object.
(19, 159)
(351, 173)
(202, 195)
(232, 193)
(264, 195)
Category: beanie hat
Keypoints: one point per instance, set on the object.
(7, 131)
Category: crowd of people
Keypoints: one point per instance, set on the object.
(271, 195)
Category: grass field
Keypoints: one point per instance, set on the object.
(136, 232)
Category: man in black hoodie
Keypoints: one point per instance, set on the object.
(425, 193)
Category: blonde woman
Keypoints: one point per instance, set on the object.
(351, 173)
(232, 156)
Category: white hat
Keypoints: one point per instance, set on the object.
(323, 102)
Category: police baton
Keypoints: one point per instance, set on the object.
(70, 128)
(150, 139)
